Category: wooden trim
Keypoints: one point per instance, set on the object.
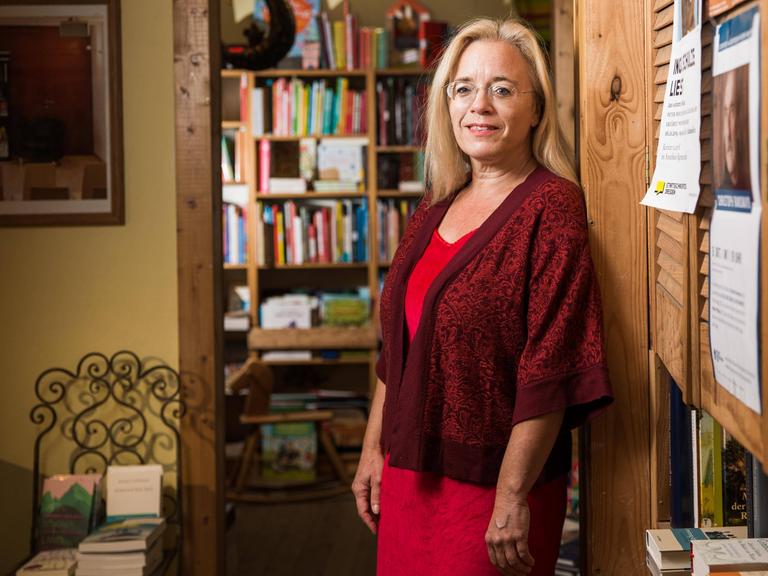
(612, 142)
(198, 183)
(659, 462)
(764, 232)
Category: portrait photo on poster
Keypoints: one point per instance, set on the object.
(730, 123)
(689, 16)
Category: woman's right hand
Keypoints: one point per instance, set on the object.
(367, 486)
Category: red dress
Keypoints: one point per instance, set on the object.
(432, 524)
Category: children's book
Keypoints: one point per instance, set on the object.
(134, 491)
(69, 508)
(289, 451)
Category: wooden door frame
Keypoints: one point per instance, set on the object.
(198, 205)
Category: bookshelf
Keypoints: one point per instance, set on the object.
(259, 268)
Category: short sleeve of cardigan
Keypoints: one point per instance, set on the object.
(563, 363)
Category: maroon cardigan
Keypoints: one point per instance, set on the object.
(511, 329)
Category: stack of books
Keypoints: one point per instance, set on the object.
(131, 547)
(668, 550)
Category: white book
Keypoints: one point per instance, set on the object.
(60, 562)
(298, 242)
(713, 556)
(235, 194)
(286, 355)
(134, 491)
(287, 185)
(257, 112)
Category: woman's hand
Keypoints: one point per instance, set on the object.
(367, 486)
(507, 536)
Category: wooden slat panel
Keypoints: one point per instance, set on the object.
(706, 104)
(658, 110)
(660, 76)
(670, 346)
(662, 55)
(669, 245)
(706, 173)
(658, 93)
(659, 5)
(613, 137)
(671, 227)
(676, 216)
(704, 291)
(706, 197)
(704, 246)
(664, 17)
(705, 311)
(675, 290)
(672, 266)
(663, 37)
(706, 57)
(704, 267)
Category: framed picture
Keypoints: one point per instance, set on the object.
(61, 151)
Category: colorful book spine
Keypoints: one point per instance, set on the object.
(265, 161)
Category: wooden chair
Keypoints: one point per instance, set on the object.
(116, 410)
(257, 378)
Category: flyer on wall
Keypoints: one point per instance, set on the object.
(675, 182)
(734, 241)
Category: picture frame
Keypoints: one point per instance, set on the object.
(61, 133)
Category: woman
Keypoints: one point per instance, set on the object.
(491, 325)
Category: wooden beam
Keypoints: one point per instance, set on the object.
(563, 66)
(199, 268)
(611, 55)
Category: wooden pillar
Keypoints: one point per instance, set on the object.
(610, 41)
(563, 66)
(199, 265)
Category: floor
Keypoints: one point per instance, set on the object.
(322, 538)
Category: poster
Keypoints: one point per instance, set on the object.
(675, 182)
(735, 229)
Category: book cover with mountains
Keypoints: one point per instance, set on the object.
(69, 508)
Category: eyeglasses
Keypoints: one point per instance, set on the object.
(465, 92)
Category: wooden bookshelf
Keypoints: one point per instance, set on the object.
(276, 196)
(354, 338)
(267, 278)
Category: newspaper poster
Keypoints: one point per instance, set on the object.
(734, 244)
(675, 182)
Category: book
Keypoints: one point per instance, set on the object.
(670, 548)
(681, 460)
(711, 473)
(134, 491)
(432, 34)
(120, 563)
(717, 556)
(656, 571)
(60, 562)
(734, 482)
(287, 185)
(130, 535)
(69, 509)
(289, 451)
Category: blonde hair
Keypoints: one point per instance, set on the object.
(446, 165)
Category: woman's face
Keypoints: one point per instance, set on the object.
(494, 129)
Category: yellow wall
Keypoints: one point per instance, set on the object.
(68, 291)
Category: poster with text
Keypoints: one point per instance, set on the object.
(675, 182)
(734, 271)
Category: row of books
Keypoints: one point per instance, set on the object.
(299, 310)
(326, 166)
(705, 551)
(295, 107)
(400, 171)
(233, 156)
(235, 233)
(399, 104)
(343, 45)
(392, 217)
(316, 231)
(708, 482)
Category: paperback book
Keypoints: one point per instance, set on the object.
(69, 508)
(60, 562)
(670, 548)
(718, 556)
